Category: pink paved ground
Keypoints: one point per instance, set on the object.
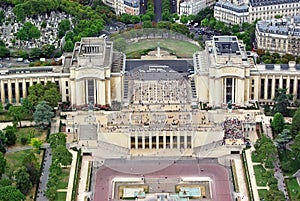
(219, 175)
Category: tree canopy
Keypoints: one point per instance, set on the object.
(11, 193)
(23, 182)
(277, 124)
(282, 101)
(28, 32)
(48, 93)
(295, 128)
(43, 114)
(2, 164)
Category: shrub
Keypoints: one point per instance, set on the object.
(24, 140)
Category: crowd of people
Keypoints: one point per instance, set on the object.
(233, 131)
(159, 92)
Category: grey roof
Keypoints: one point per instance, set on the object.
(256, 3)
(283, 26)
(284, 66)
(230, 6)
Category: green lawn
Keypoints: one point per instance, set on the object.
(260, 171)
(61, 196)
(30, 132)
(180, 48)
(254, 157)
(5, 118)
(262, 194)
(15, 159)
(64, 179)
(293, 189)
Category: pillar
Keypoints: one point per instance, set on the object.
(185, 140)
(273, 87)
(101, 92)
(9, 91)
(150, 141)
(17, 91)
(2, 92)
(143, 141)
(164, 140)
(218, 92)
(171, 139)
(24, 88)
(107, 92)
(211, 89)
(295, 87)
(157, 140)
(136, 141)
(178, 140)
(266, 88)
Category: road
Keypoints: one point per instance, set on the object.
(158, 10)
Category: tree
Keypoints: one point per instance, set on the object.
(2, 164)
(23, 182)
(36, 143)
(18, 113)
(27, 105)
(266, 150)
(43, 114)
(35, 52)
(4, 52)
(282, 101)
(296, 146)
(283, 138)
(10, 134)
(277, 124)
(1, 108)
(295, 128)
(120, 44)
(69, 46)
(62, 154)
(11, 193)
(147, 24)
(5, 182)
(56, 139)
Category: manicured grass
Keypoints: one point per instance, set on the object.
(260, 171)
(61, 196)
(180, 48)
(30, 132)
(293, 188)
(5, 118)
(262, 194)
(254, 157)
(15, 159)
(64, 179)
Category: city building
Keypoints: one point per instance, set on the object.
(279, 35)
(92, 75)
(252, 10)
(193, 7)
(230, 13)
(131, 7)
(224, 73)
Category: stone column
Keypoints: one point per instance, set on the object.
(266, 88)
(24, 88)
(101, 92)
(273, 87)
(107, 92)
(136, 141)
(178, 140)
(171, 139)
(17, 91)
(295, 87)
(280, 81)
(157, 140)
(30, 82)
(150, 141)
(288, 84)
(211, 93)
(9, 91)
(185, 140)
(2, 92)
(218, 92)
(79, 93)
(143, 141)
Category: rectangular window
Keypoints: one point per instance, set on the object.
(67, 83)
(269, 89)
(91, 89)
(291, 89)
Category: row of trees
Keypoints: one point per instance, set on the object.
(60, 157)
(18, 182)
(275, 58)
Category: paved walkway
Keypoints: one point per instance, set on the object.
(241, 180)
(46, 164)
(72, 175)
(251, 173)
(82, 193)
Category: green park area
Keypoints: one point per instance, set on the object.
(260, 175)
(61, 196)
(180, 48)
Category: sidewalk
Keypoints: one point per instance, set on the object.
(241, 180)
(82, 193)
(72, 175)
(251, 173)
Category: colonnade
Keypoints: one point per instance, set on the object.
(162, 140)
(13, 90)
(269, 84)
